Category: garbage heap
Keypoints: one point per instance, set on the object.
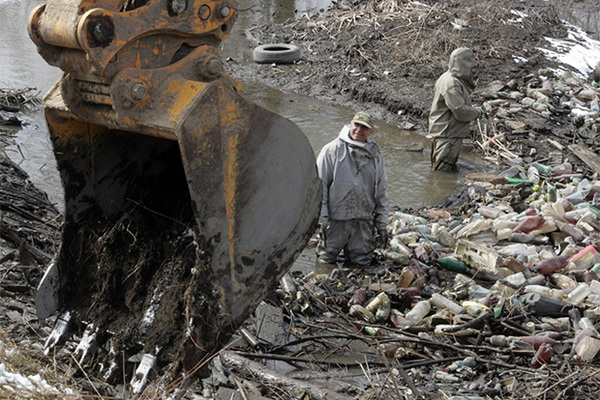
(538, 117)
(497, 298)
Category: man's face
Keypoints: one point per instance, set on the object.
(359, 132)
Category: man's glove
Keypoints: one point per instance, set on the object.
(381, 237)
(479, 111)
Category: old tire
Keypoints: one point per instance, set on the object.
(276, 53)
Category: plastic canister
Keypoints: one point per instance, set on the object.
(418, 312)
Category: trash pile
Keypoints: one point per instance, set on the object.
(540, 114)
(498, 301)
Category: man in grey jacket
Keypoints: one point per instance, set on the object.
(451, 110)
(354, 194)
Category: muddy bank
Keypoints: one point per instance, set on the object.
(386, 56)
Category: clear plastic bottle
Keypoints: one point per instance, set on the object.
(443, 302)
(578, 294)
(418, 312)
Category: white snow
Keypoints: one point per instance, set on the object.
(578, 51)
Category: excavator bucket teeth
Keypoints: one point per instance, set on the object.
(171, 242)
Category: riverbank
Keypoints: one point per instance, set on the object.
(385, 58)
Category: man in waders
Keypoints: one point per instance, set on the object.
(451, 110)
(354, 209)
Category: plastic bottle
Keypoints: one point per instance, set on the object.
(543, 169)
(407, 276)
(564, 282)
(362, 312)
(551, 265)
(578, 294)
(358, 297)
(288, 287)
(443, 302)
(383, 311)
(571, 230)
(467, 362)
(543, 354)
(595, 287)
(374, 331)
(513, 264)
(452, 264)
(529, 224)
(421, 254)
(533, 175)
(374, 304)
(544, 305)
(418, 312)
(398, 320)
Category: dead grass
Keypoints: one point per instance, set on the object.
(27, 375)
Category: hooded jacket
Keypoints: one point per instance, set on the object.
(354, 180)
(451, 109)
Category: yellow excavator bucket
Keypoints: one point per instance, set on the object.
(184, 202)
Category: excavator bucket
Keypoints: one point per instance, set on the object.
(184, 202)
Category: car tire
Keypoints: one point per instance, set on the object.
(276, 53)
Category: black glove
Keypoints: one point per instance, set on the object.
(381, 237)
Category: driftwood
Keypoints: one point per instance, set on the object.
(587, 156)
(29, 222)
(257, 372)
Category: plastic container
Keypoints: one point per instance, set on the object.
(418, 312)
(360, 311)
(529, 224)
(358, 297)
(376, 301)
(452, 264)
(578, 294)
(571, 230)
(443, 302)
(543, 169)
(564, 282)
(544, 305)
(543, 354)
(551, 265)
(383, 311)
(585, 259)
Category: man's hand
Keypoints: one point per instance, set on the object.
(381, 237)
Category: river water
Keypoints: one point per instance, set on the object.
(412, 183)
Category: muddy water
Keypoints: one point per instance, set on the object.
(412, 184)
